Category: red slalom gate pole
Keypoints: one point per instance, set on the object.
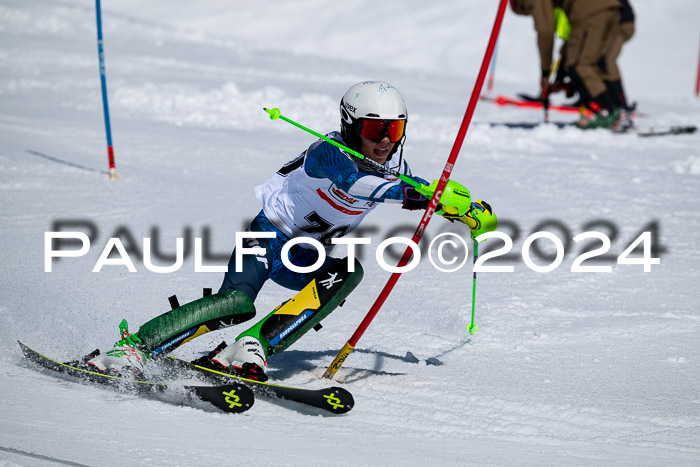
(697, 80)
(444, 177)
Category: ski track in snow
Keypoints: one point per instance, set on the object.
(566, 369)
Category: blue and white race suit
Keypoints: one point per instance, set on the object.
(322, 193)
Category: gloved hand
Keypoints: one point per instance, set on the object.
(454, 195)
(556, 86)
(480, 217)
(561, 85)
(413, 200)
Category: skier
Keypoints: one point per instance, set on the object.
(594, 24)
(323, 193)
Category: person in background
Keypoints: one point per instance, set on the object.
(594, 25)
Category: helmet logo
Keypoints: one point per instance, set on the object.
(350, 107)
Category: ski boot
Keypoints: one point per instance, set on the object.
(244, 358)
(625, 123)
(602, 118)
(126, 358)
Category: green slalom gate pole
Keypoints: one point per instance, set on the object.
(473, 328)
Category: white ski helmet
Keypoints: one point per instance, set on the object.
(371, 100)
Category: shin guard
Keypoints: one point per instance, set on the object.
(295, 317)
(170, 330)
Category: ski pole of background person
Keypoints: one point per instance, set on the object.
(449, 165)
(562, 28)
(105, 105)
(550, 80)
(473, 328)
(454, 195)
(545, 102)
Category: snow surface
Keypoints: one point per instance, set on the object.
(566, 369)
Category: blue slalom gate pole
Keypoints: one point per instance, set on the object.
(105, 105)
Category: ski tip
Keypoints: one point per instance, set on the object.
(338, 400)
(673, 130)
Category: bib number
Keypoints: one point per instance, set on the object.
(323, 230)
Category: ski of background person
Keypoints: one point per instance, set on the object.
(652, 131)
(529, 98)
(673, 130)
(531, 125)
(332, 399)
(632, 108)
(233, 397)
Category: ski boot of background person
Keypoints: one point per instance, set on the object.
(244, 358)
(625, 123)
(601, 118)
(126, 359)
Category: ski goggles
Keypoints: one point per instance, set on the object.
(376, 130)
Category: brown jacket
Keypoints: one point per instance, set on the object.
(542, 12)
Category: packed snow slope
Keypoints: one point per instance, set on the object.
(566, 369)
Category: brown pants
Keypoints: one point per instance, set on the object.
(589, 40)
(624, 33)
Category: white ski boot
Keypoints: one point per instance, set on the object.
(124, 359)
(245, 358)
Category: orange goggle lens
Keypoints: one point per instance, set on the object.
(375, 130)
